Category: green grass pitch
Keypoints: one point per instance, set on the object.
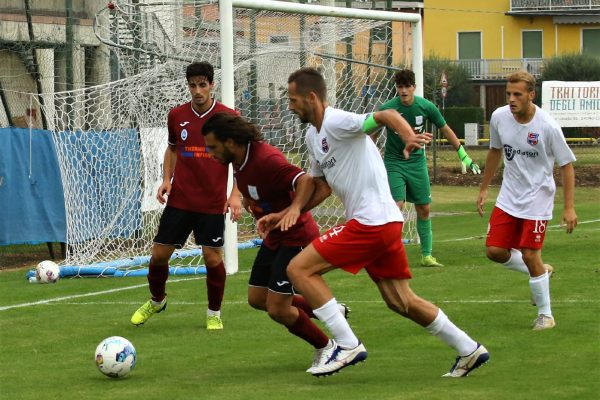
(48, 333)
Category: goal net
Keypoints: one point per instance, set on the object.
(111, 138)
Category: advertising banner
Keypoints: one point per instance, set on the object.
(572, 104)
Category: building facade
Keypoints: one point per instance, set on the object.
(496, 37)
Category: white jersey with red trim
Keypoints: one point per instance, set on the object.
(530, 151)
(352, 166)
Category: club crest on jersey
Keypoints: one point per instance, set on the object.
(324, 145)
(533, 138)
(253, 192)
(184, 134)
(509, 152)
(419, 120)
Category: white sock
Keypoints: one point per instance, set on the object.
(516, 263)
(540, 290)
(329, 313)
(450, 334)
(210, 313)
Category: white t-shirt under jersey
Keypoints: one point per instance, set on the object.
(530, 151)
(352, 166)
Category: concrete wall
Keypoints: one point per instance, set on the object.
(17, 61)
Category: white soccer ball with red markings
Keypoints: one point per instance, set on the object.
(47, 272)
(115, 357)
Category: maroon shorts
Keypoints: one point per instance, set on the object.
(353, 246)
(508, 232)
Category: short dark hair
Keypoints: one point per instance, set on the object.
(203, 68)
(405, 77)
(309, 80)
(230, 126)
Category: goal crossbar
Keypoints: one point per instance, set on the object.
(226, 6)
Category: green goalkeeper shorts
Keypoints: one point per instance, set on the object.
(409, 181)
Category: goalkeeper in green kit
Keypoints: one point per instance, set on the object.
(409, 178)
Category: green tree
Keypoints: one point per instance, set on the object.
(571, 67)
(460, 88)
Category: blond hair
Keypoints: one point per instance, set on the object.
(522, 76)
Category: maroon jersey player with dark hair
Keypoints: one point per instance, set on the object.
(194, 188)
(269, 183)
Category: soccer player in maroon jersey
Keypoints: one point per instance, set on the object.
(194, 189)
(269, 184)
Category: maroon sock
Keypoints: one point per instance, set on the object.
(215, 286)
(305, 329)
(300, 303)
(157, 279)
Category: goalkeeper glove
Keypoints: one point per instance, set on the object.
(466, 160)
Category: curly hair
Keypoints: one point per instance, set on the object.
(404, 77)
(229, 126)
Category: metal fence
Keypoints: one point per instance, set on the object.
(553, 5)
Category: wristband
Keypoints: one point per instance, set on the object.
(369, 124)
(462, 153)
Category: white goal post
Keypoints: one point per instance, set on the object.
(227, 62)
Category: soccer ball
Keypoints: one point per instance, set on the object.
(115, 357)
(47, 272)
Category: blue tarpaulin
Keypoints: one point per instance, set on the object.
(32, 206)
(105, 183)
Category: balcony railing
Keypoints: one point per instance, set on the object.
(498, 69)
(553, 5)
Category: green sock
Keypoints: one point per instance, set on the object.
(425, 235)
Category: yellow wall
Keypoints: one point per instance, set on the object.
(444, 19)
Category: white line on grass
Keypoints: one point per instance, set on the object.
(553, 227)
(75, 296)
(56, 299)
(244, 302)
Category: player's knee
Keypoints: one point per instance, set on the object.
(530, 257)
(212, 260)
(277, 313)
(160, 255)
(497, 254)
(294, 271)
(256, 303)
(422, 211)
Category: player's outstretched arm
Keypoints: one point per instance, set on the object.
(305, 188)
(462, 153)
(322, 191)
(491, 165)
(569, 217)
(393, 120)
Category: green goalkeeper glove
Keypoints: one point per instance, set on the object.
(466, 160)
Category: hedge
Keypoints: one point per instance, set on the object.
(457, 117)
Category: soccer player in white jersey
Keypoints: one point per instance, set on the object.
(344, 159)
(532, 142)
